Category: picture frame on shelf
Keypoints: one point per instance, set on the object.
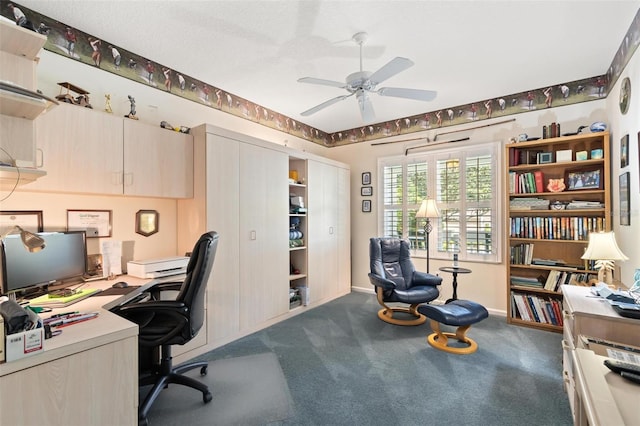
(545, 157)
(366, 191)
(366, 206)
(29, 220)
(624, 151)
(366, 178)
(583, 179)
(96, 223)
(625, 199)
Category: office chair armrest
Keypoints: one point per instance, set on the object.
(378, 281)
(172, 313)
(156, 289)
(423, 278)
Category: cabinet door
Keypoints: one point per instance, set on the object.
(220, 189)
(157, 162)
(81, 151)
(264, 236)
(323, 229)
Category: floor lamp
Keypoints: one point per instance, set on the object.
(428, 210)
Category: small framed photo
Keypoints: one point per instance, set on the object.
(624, 151)
(582, 155)
(96, 223)
(29, 220)
(584, 179)
(597, 154)
(545, 157)
(366, 191)
(625, 199)
(366, 178)
(366, 206)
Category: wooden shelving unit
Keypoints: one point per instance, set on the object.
(559, 235)
(298, 246)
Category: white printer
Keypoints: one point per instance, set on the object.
(156, 268)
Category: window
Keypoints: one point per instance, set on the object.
(464, 182)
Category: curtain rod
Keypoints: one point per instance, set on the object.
(446, 133)
(406, 151)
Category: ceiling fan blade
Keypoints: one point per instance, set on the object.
(392, 68)
(417, 94)
(324, 105)
(366, 108)
(322, 81)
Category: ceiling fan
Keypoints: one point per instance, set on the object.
(362, 83)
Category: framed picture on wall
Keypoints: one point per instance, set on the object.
(366, 206)
(96, 223)
(366, 191)
(625, 201)
(366, 178)
(29, 220)
(624, 151)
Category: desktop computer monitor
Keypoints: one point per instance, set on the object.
(63, 258)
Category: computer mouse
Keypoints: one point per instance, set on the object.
(120, 284)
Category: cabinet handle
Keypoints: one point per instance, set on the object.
(41, 163)
(128, 179)
(252, 235)
(331, 230)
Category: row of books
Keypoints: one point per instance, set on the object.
(536, 309)
(521, 254)
(555, 228)
(557, 278)
(526, 182)
(519, 156)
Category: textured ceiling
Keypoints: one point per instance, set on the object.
(465, 50)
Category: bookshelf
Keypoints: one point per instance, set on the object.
(547, 231)
(298, 227)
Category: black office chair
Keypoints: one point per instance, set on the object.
(164, 323)
(396, 280)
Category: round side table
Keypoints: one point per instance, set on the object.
(455, 271)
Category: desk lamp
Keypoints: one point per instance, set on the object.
(428, 210)
(31, 241)
(605, 251)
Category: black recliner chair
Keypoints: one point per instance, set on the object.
(396, 280)
(166, 322)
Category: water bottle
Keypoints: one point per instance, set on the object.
(455, 260)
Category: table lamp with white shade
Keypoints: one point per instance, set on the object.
(428, 210)
(605, 251)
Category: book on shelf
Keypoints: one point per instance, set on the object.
(531, 307)
(527, 281)
(548, 262)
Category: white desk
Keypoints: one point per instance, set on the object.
(604, 397)
(88, 375)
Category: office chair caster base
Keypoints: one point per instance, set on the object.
(207, 397)
(203, 371)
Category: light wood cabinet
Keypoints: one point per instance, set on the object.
(157, 162)
(88, 151)
(542, 241)
(81, 150)
(241, 190)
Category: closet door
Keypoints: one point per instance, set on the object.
(263, 235)
(323, 228)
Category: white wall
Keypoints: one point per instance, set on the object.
(620, 125)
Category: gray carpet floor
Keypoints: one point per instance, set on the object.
(342, 365)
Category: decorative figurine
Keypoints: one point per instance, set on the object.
(107, 103)
(132, 112)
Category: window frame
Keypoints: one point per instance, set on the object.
(431, 158)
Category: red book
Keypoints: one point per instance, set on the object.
(539, 180)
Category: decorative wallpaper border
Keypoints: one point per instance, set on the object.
(90, 50)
